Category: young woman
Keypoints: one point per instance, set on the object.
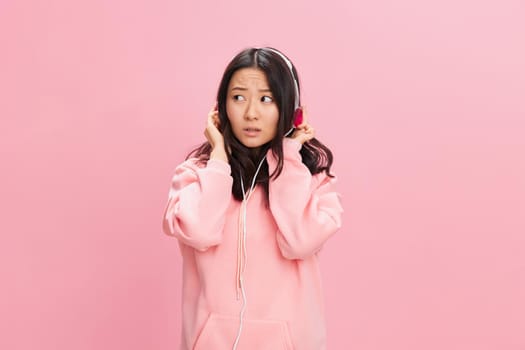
(251, 209)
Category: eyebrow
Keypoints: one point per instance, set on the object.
(245, 89)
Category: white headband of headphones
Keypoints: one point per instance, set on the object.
(290, 66)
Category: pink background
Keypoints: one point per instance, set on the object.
(422, 103)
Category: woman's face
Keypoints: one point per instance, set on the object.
(251, 109)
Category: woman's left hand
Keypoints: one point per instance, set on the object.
(304, 131)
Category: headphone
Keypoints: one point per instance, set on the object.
(241, 241)
(298, 111)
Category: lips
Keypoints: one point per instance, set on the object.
(251, 131)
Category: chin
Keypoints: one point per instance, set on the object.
(252, 144)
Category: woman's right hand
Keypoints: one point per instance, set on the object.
(214, 136)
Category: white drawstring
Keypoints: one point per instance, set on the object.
(241, 243)
(242, 256)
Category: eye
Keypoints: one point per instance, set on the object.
(238, 98)
(266, 99)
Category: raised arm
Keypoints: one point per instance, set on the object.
(197, 203)
(306, 208)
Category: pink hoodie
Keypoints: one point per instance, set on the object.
(282, 283)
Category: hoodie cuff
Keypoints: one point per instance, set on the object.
(219, 166)
(291, 148)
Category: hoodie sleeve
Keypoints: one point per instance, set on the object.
(306, 207)
(197, 203)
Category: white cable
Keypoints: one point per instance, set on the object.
(246, 197)
(244, 206)
(244, 302)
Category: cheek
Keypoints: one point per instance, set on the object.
(275, 118)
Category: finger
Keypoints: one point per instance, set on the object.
(211, 114)
(303, 126)
(216, 120)
(213, 118)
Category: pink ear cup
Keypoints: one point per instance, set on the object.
(298, 117)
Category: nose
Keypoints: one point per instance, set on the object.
(251, 111)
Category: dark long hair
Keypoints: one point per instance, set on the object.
(243, 160)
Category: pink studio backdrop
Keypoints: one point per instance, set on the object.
(421, 102)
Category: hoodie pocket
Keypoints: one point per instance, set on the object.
(220, 332)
